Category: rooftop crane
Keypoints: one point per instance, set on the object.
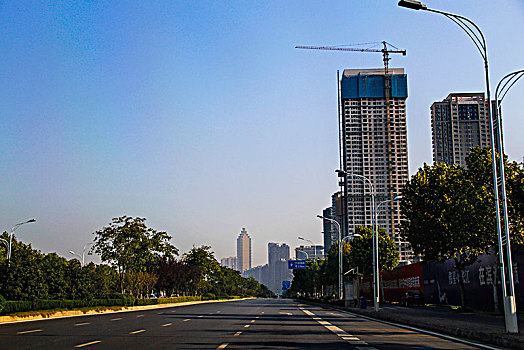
(387, 90)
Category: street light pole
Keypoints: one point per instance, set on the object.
(340, 292)
(476, 35)
(374, 236)
(83, 253)
(13, 229)
(313, 244)
(508, 292)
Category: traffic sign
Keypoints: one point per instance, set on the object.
(296, 264)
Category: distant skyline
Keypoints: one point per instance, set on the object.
(202, 116)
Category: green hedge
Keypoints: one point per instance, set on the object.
(11, 307)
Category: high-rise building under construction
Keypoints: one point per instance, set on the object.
(374, 145)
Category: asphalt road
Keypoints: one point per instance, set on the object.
(245, 324)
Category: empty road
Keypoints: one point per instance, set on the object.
(244, 324)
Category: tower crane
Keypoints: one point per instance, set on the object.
(386, 50)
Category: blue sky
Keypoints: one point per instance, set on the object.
(202, 117)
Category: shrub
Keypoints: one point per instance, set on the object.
(2, 303)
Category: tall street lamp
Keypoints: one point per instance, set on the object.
(374, 235)
(13, 229)
(313, 244)
(339, 253)
(508, 291)
(475, 34)
(83, 253)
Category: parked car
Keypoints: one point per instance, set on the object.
(413, 297)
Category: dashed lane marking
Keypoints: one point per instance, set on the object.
(247, 326)
(31, 331)
(139, 315)
(222, 346)
(237, 334)
(252, 321)
(200, 316)
(116, 319)
(82, 324)
(187, 319)
(87, 344)
(167, 324)
(139, 331)
(338, 331)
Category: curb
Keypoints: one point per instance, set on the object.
(77, 313)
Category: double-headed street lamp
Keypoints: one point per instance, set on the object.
(10, 243)
(374, 235)
(339, 253)
(83, 253)
(313, 244)
(475, 34)
(508, 292)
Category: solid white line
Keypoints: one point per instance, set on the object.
(440, 335)
(31, 331)
(82, 324)
(139, 331)
(222, 346)
(87, 344)
(167, 324)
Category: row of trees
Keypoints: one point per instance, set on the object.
(137, 260)
(449, 211)
(321, 276)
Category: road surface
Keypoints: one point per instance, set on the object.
(244, 324)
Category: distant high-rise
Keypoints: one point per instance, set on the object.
(374, 145)
(459, 123)
(243, 251)
(309, 252)
(278, 255)
(230, 262)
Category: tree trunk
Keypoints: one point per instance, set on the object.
(461, 284)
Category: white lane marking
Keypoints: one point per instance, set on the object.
(82, 324)
(257, 317)
(219, 312)
(286, 313)
(87, 344)
(31, 331)
(338, 331)
(167, 324)
(139, 331)
(139, 315)
(116, 319)
(247, 326)
(253, 321)
(222, 346)
(187, 319)
(200, 316)
(423, 331)
(237, 334)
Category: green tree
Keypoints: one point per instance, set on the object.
(130, 246)
(207, 268)
(449, 211)
(361, 251)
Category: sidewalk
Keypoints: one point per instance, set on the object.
(484, 328)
